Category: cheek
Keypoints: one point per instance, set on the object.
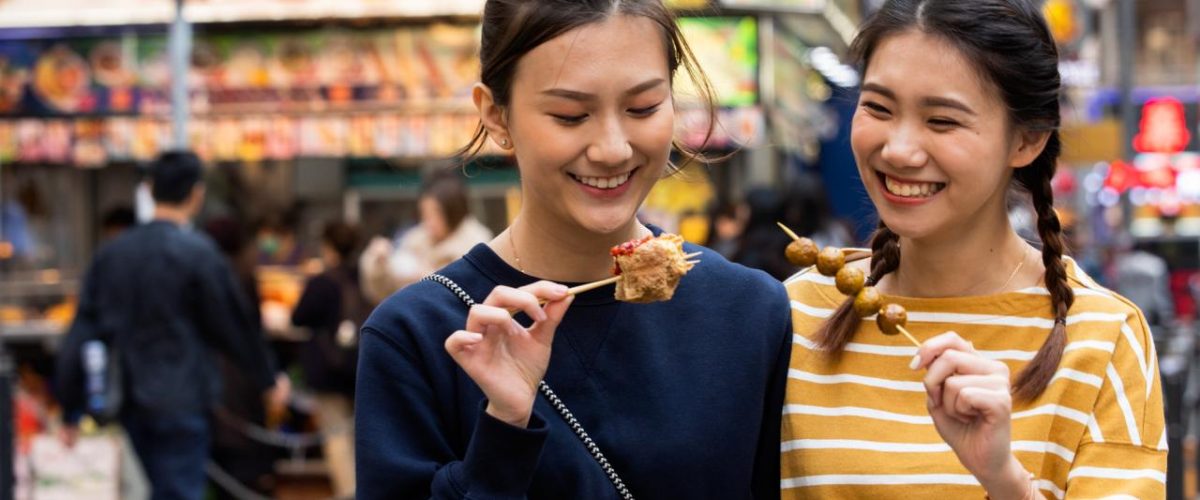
(972, 159)
(653, 135)
(549, 151)
(865, 137)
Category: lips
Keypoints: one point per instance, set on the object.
(910, 189)
(612, 182)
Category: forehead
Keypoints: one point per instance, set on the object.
(916, 64)
(618, 52)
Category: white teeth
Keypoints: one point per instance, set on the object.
(912, 190)
(604, 182)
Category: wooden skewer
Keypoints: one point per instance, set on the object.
(592, 286)
(576, 290)
(909, 335)
(606, 281)
(788, 231)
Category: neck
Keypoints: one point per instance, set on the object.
(561, 252)
(980, 260)
(171, 213)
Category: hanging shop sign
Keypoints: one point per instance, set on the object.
(727, 49)
(1163, 127)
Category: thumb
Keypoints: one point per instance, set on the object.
(543, 331)
(460, 342)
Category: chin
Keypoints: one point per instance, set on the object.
(909, 227)
(606, 222)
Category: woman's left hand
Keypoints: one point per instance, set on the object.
(970, 401)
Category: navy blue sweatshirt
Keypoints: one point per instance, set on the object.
(684, 397)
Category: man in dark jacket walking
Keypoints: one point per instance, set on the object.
(160, 296)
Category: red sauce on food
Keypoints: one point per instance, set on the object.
(625, 249)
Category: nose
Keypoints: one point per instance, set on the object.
(904, 148)
(611, 146)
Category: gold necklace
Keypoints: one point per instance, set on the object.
(512, 243)
(1024, 257)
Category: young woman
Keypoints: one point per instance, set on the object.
(331, 308)
(676, 399)
(447, 231)
(1031, 381)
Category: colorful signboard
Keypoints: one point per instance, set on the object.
(727, 49)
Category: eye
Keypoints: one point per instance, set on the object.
(646, 111)
(876, 108)
(569, 119)
(943, 123)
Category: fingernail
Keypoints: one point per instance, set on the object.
(541, 315)
(561, 289)
(916, 361)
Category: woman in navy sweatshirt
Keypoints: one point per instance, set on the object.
(676, 399)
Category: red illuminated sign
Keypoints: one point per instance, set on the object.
(1164, 127)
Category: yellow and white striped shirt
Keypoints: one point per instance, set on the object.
(856, 426)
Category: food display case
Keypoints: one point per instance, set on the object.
(37, 305)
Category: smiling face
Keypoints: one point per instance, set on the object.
(590, 121)
(933, 140)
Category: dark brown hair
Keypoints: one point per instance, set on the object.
(447, 188)
(512, 28)
(1011, 47)
(341, 237)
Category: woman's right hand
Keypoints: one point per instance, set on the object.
(505, 359)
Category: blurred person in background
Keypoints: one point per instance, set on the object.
(276, 239)
(332, 307)
(807, 211)
(726, 221)
(762, 244)
(447, 231)
(159, 297)
(115, 221)
(249, 462)
(1143, 278)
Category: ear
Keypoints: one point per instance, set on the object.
(1027, 145)
(492, 116)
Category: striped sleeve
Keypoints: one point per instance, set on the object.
(1124, 451)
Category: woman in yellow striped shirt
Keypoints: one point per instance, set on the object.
(1031, 381)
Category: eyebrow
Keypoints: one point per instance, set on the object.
(929, 102)
(576, 95)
